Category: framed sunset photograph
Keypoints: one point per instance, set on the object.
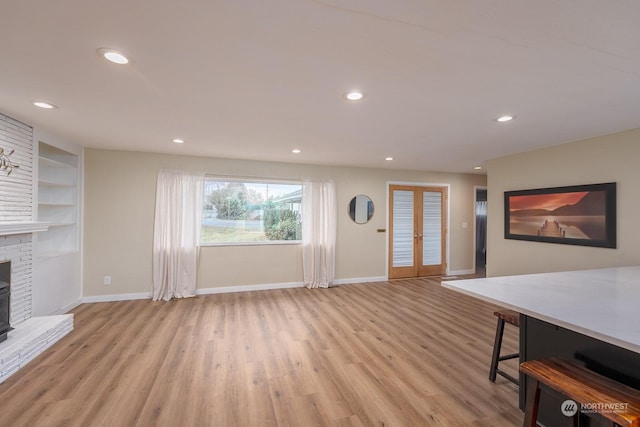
(575, 215)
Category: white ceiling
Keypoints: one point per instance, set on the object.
(254, 79)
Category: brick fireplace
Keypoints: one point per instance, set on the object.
(32, 335)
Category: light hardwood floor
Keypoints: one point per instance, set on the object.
(402, 353)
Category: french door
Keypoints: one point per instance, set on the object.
(417, 231)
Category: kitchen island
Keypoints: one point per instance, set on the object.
(588, 316)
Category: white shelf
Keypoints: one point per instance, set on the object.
(61, 224)
(56, 157)
(55, 204)
(50, 163)
(52, 254)
(7, 228)
(47, 183)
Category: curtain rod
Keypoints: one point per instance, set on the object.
(245, 177)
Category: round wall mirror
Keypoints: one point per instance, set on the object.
(361, 209)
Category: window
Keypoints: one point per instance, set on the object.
(251, 212)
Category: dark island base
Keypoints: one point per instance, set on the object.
(539, 340)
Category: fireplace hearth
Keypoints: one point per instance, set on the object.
(5, 291)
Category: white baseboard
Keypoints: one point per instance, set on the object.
(224, 290)
(203, 291)
(269, 286)
(116, 297)
(461, 272)
(67, 308)
(359, 280)
(248, 288)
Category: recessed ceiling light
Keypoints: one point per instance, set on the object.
(503, 119)
(178, 141)
(388, 158)
(296, 151)
(44, 105)
(354, 95)
(478, 168)
(113, 55)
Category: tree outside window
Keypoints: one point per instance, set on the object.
(245, 212)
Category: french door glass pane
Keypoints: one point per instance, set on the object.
(402, 228)
(432, 228)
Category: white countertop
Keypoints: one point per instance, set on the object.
(603, 304)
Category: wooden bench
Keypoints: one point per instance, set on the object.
(504, 316)
(613, 401)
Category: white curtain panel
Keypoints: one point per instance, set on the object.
(176, 232)
(319, 219)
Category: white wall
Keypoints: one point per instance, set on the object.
(610, 158)
(119, 205)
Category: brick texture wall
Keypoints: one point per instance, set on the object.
(16, 205)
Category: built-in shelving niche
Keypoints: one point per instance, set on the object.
(57, 201)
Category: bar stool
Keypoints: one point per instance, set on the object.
(513, 318)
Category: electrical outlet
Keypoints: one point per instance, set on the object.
(107, 280)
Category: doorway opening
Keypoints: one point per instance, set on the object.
(481, 231)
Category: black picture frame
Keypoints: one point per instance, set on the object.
(563, 215)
